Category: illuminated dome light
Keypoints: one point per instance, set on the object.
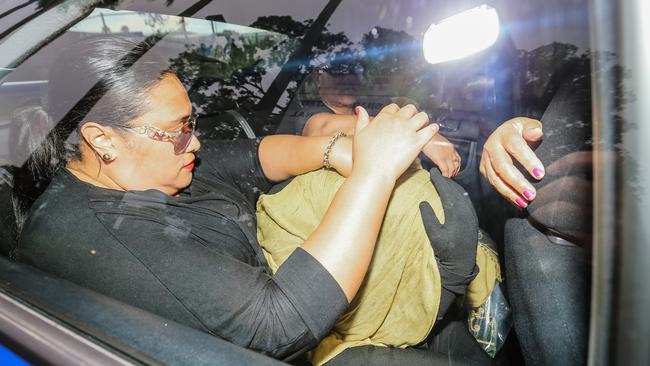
(461, 35)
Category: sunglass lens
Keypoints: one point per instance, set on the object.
(182, 142)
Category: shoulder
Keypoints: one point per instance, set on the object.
(61, 226)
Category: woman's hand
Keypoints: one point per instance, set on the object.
(341, 156)
(443, 153)
(388, 145)
(507, 141)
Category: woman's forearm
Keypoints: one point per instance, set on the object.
(345, 239)
(327, 124)
(284, 156)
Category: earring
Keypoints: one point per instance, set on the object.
(106, 156)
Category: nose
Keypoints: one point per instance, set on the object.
(194, 145)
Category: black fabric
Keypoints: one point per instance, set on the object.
(454, 243)
(192, 258)
(548, 283)
(7, 218)
(451, 345)
(546, 253)
(563, 202)
(149, 338)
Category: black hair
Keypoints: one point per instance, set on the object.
(104, 79)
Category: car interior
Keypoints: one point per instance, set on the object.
(254, 72)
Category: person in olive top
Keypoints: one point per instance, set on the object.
(133, 206)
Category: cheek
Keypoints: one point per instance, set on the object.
(153, 165)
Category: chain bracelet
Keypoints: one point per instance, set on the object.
(328, 149)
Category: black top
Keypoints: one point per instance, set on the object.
(192, 258)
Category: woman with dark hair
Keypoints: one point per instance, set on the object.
(122, 205)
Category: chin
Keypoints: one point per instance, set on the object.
(185, 180)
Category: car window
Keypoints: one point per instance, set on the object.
(254, 69)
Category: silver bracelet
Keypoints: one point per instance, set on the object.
(328, 149)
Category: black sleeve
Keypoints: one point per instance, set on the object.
(236, 163)
(279, 315)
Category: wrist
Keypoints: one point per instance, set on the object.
(330, 146)
(373, 173)
(341, 156)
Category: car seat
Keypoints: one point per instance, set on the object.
(121, 326)
(7, 219)
(547, 248)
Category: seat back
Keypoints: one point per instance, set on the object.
(135, 332)
(7, 219)
(547, 251)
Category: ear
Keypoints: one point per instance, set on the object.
(100, 138)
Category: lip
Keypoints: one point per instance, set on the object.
(189, 166)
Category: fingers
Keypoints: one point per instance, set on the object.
(504, 189)
(419, 120)
(520, 150)
(501, 163)
(455, 201)
(446, 168)
(407, 111)
(429, 218)
(446, 187)
(391, 108)
(362, 119)
(457, 163)
(425, 135)
(532, 129)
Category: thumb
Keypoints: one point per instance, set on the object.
(362, 119)
(431, 223)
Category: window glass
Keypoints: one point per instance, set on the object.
(257, 68)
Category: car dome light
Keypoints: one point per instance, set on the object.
(461, 35)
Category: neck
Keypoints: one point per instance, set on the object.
(91, 172)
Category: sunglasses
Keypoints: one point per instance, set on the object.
(180, 138)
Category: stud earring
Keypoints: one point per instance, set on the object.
(106, 156)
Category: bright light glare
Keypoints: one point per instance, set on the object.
(461, 35)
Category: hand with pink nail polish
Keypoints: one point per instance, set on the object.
(512, 141)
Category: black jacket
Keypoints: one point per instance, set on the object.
(192, 258)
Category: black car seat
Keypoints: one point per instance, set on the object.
(152, 339)
(7, 219)
(547, 249)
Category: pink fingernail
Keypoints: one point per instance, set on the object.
(521, 203)
(529, 195)
(538, 173)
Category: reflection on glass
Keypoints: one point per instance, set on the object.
(461, 35)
